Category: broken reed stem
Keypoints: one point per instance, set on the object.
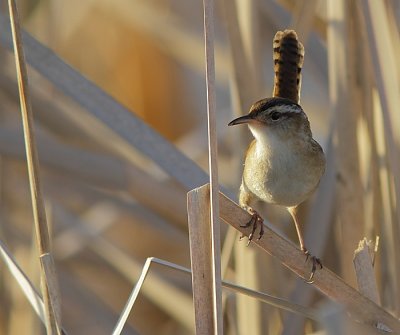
(215, 255)
(52, 308)
(201, 259)
(327, 282)
(365, 271)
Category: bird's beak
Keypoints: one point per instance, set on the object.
(242, 119)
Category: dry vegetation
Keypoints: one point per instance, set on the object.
(118, 97)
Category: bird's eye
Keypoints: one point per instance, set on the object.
(275, 116)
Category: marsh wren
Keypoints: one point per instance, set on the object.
(283, 164)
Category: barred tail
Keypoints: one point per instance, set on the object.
(288, 61)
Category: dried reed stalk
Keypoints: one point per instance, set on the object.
(341, 87)
(328, 283)
(383, 45)
(49, 283)
(215, 236)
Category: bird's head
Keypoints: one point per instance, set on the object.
(277, 117)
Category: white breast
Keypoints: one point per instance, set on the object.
(277, 171)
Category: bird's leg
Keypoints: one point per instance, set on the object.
(245, 198)
(254, 221)
(315, 261)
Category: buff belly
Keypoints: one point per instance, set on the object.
(275, 177)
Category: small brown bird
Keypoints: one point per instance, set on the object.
(283, 164)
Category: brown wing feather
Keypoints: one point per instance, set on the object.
(288, 61)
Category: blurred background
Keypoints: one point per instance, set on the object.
(111, 204)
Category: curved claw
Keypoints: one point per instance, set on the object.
(315, 261)
(254, 221)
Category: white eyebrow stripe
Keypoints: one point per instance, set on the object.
(294, 109)
(288, 109)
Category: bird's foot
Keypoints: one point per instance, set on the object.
(315, 261)
(255, 220)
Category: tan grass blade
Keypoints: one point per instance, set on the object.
(49, 284)
(132, 298)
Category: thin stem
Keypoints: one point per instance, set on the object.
(49, 283)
